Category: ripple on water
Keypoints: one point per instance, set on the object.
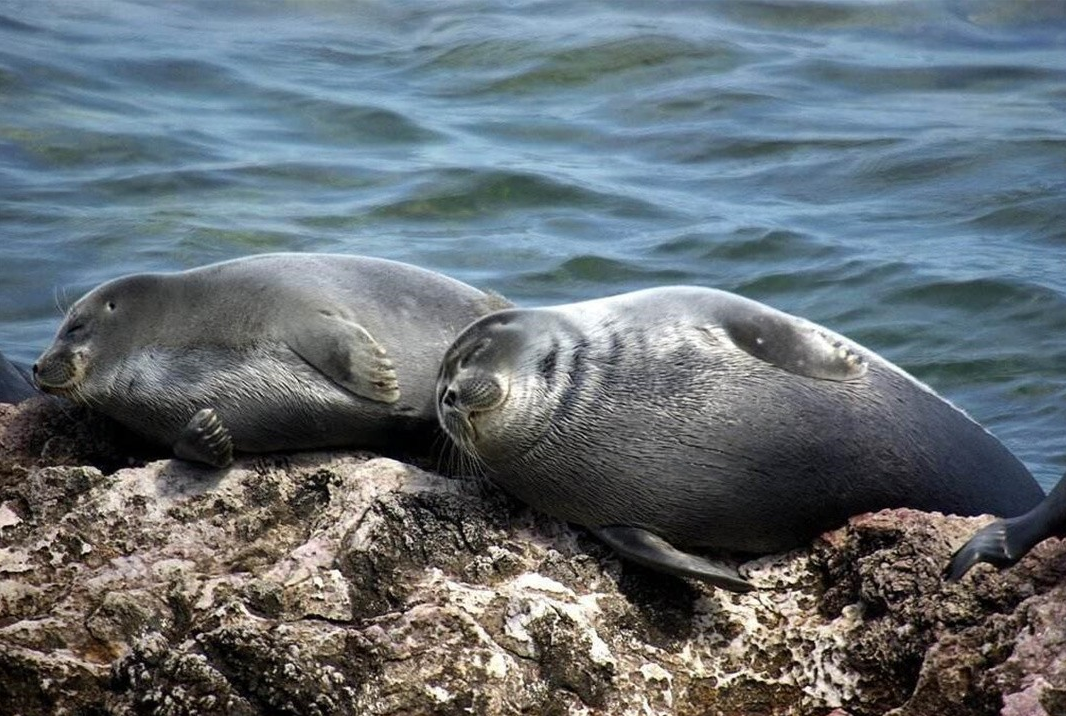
(583, 272)
(612, 61)
(1032, 211)
(316, 175)
(166, 183)
(978, 78)
(812, 14)
(915, 164)
(981, 331)
(318, 119)
(746, 244)
(175, 74)
(982, 294)
(71, 148)
(9, 23)
(468, 192)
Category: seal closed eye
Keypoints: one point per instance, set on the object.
(684, 418)
(270, 352)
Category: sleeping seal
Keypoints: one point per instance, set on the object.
(15, 385)
(269, 352)
(687, 417)
(1004, 542)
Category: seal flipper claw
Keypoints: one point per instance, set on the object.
(794, 345)
(1001, 543)
(347, 354)
(989, 544)
(205, 439)
(651, 550)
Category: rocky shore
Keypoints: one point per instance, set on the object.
(346, 583)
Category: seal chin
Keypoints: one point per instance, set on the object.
(458, 426)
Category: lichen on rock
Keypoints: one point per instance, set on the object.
(346, 583)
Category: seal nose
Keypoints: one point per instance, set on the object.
(449, 398)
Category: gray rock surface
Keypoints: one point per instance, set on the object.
(342, 583)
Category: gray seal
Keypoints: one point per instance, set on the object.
(264, 353)
(685, 417)
(1006, 541)
(15, 384)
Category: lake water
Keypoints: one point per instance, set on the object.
(895, 170)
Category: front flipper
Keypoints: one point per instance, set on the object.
(347, 354)
(205, 439)
(651, 550)
(792, 344)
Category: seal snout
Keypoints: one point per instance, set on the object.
(58, 372)
(465, 390)
(478, 393)
(470, 392)
(452, 414)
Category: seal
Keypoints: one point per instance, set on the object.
(1006, 541)
(15, 385)
(683, 417)
(264, 353)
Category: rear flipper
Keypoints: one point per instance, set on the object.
(1004, 542)
(205, 439)
(991, 544)
(651, 550)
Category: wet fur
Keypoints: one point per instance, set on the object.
(216, 337)
(639, 410)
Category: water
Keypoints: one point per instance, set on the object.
(895, 170)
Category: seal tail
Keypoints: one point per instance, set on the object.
(1006, 541)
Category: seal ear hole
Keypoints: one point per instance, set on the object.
(110, 305)
(546, 365)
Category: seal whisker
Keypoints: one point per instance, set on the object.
(471, 464)
(439, 450)
(57, 302)
(84, 398)
(448, 455)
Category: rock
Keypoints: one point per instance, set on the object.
(345, 583)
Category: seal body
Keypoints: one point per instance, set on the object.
(269, 352)
(15, 385)
(691, 417)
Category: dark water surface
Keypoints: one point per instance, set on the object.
(895, 170)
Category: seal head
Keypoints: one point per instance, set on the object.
(99, 324)
(484, 366)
